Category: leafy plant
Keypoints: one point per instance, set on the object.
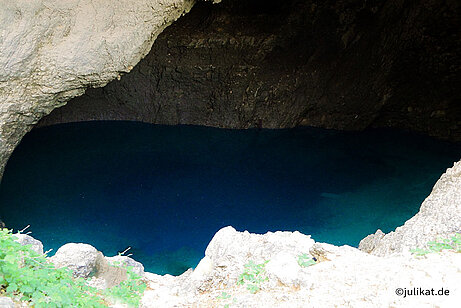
(224, 295)
(28, 276)
(253, 275)
(452, 243)
(304, 260)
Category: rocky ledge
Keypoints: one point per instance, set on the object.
(340, 276)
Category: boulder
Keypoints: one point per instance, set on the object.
(125, 261)
(80, 258)
(25, 239)
(6, 302)
(230, 250)
(106, 276)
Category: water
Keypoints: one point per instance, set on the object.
(165, 191)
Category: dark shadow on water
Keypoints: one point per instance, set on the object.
(166, 190)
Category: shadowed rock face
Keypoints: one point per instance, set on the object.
(333, 64)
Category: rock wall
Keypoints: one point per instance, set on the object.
(52, 50)
(334, 64)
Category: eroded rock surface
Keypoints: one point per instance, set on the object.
(6, 302)
(438, 217)
(341, 277)
(25, 239)
(276, 64)
(80, 258)
(52, 50)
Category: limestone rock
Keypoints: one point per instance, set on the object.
(125, 261)
(343, 276)
(275, 64)
(25, 239)
(230, 250)
(284, 269)
(80, 258)
(370, 242)
(52, 50)
(105, 275)
(438, 217)
(6, 302)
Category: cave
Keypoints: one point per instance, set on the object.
(332, 118)
(264, 115)
(347, 65)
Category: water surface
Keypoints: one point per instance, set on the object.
(166, 190)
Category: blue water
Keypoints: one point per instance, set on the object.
(166, 190)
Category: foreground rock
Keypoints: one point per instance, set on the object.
(438, 217)
(80, 258)
(6, 302)
(87, 262)
(341, 277)
(25, 239)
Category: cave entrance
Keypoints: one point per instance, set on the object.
(165, 190)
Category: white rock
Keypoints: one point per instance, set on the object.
(80, 258)
(343, 277)
(125, 261)
(283, 268)
(25, 239)
(6, 302)
(203, 269)
(438, 217)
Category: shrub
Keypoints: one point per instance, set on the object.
(452, 243)
(28, 276)
(253, 275)
(304, 260)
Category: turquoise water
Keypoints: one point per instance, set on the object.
(166, 190)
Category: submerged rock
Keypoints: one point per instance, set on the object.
(438, 217)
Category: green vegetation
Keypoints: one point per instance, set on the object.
(226, 297)
(304, 260)
(453, 243)
(129, 291)
(28, 276)
(253, 275)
